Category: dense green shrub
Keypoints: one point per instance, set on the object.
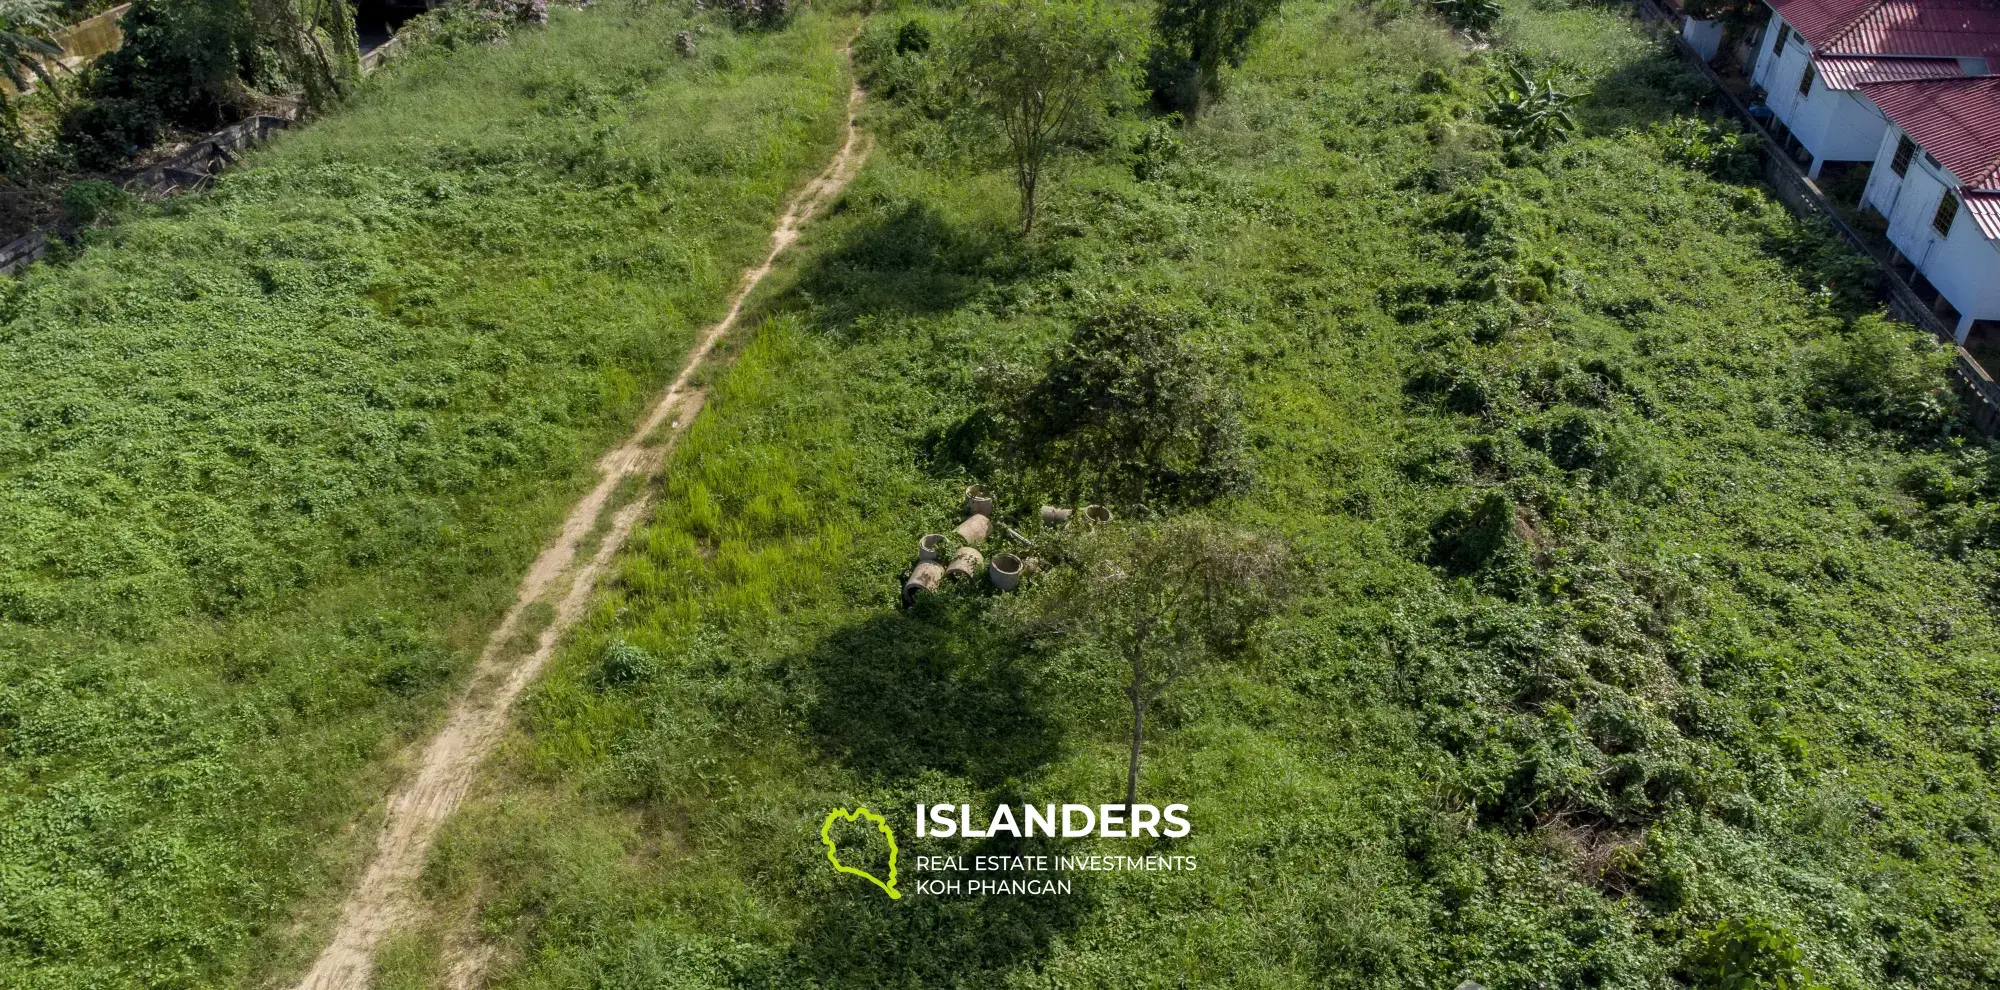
(1748, 954)
(1714, 147)
(1131, 409)
(1887, 374)
(1471, 15)
(87, 201)
(913, 38)
(1531, 110)
(183, 63)
(1197, 39)
(764, 15)
(103, 133)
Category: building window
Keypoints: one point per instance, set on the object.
(1906, 149)
(1947, 212)
(1805, 80)
(1784, 34)
(1931, 160)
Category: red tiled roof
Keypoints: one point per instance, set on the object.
(1850, 71)
(1957, 120)
(1985, 210)
(1819, 20)
(1939, 28)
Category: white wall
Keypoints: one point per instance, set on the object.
(1964, 266)
(1705, 37)
(1767, 66)
(1834, 125)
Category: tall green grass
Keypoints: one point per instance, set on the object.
(1728, 665)
(273, 457)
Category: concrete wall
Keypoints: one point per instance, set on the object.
(83, 42)
(1705, 37)
(1963, 265)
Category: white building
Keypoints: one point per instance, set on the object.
(1817, 55)
(1936, 177)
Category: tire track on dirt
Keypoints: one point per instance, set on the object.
(384, 899)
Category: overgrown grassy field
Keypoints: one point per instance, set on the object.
(1647, 626)
(272, 458)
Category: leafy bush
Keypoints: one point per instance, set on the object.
(1469, 538)
(1477, 16)
(763, 15)
(471, 23)
(913, 38)
(1130, 409)
(180, 64)
(1712, 147)
(1748, 954)
(1886, 373)
(89, 200)
(105, 132)
(624, 663)
(1159, 151)
(1530, 110)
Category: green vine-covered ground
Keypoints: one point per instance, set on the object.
(273, 458)
(1644, 634)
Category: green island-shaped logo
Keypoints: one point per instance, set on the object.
(833, 854)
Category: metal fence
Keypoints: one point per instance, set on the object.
(1803, 196)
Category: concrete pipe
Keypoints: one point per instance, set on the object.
(978, 501)
(1096, 515)
(965, 564)
(931, 547)
(1005, 572)
(1053, 517)
(974, 529)
(924, 578)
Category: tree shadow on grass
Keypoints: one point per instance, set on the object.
(936, 688)
(939, 688)
(861, 938)
(1651, 89)
(904, 258)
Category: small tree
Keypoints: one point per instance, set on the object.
(1205, 35)
(1166, 599)
(1130, 410)
(1041, 71)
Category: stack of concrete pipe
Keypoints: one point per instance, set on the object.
(1005, 571)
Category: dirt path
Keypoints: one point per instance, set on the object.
(384, 898)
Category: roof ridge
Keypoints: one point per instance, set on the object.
(1985, 180)
(1849, 27)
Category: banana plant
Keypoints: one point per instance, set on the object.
(27, 41)
(1530, 110)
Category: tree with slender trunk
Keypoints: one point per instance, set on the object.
(1206, 35)
(315, 42)
(1166, 599)
(1040, 72)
